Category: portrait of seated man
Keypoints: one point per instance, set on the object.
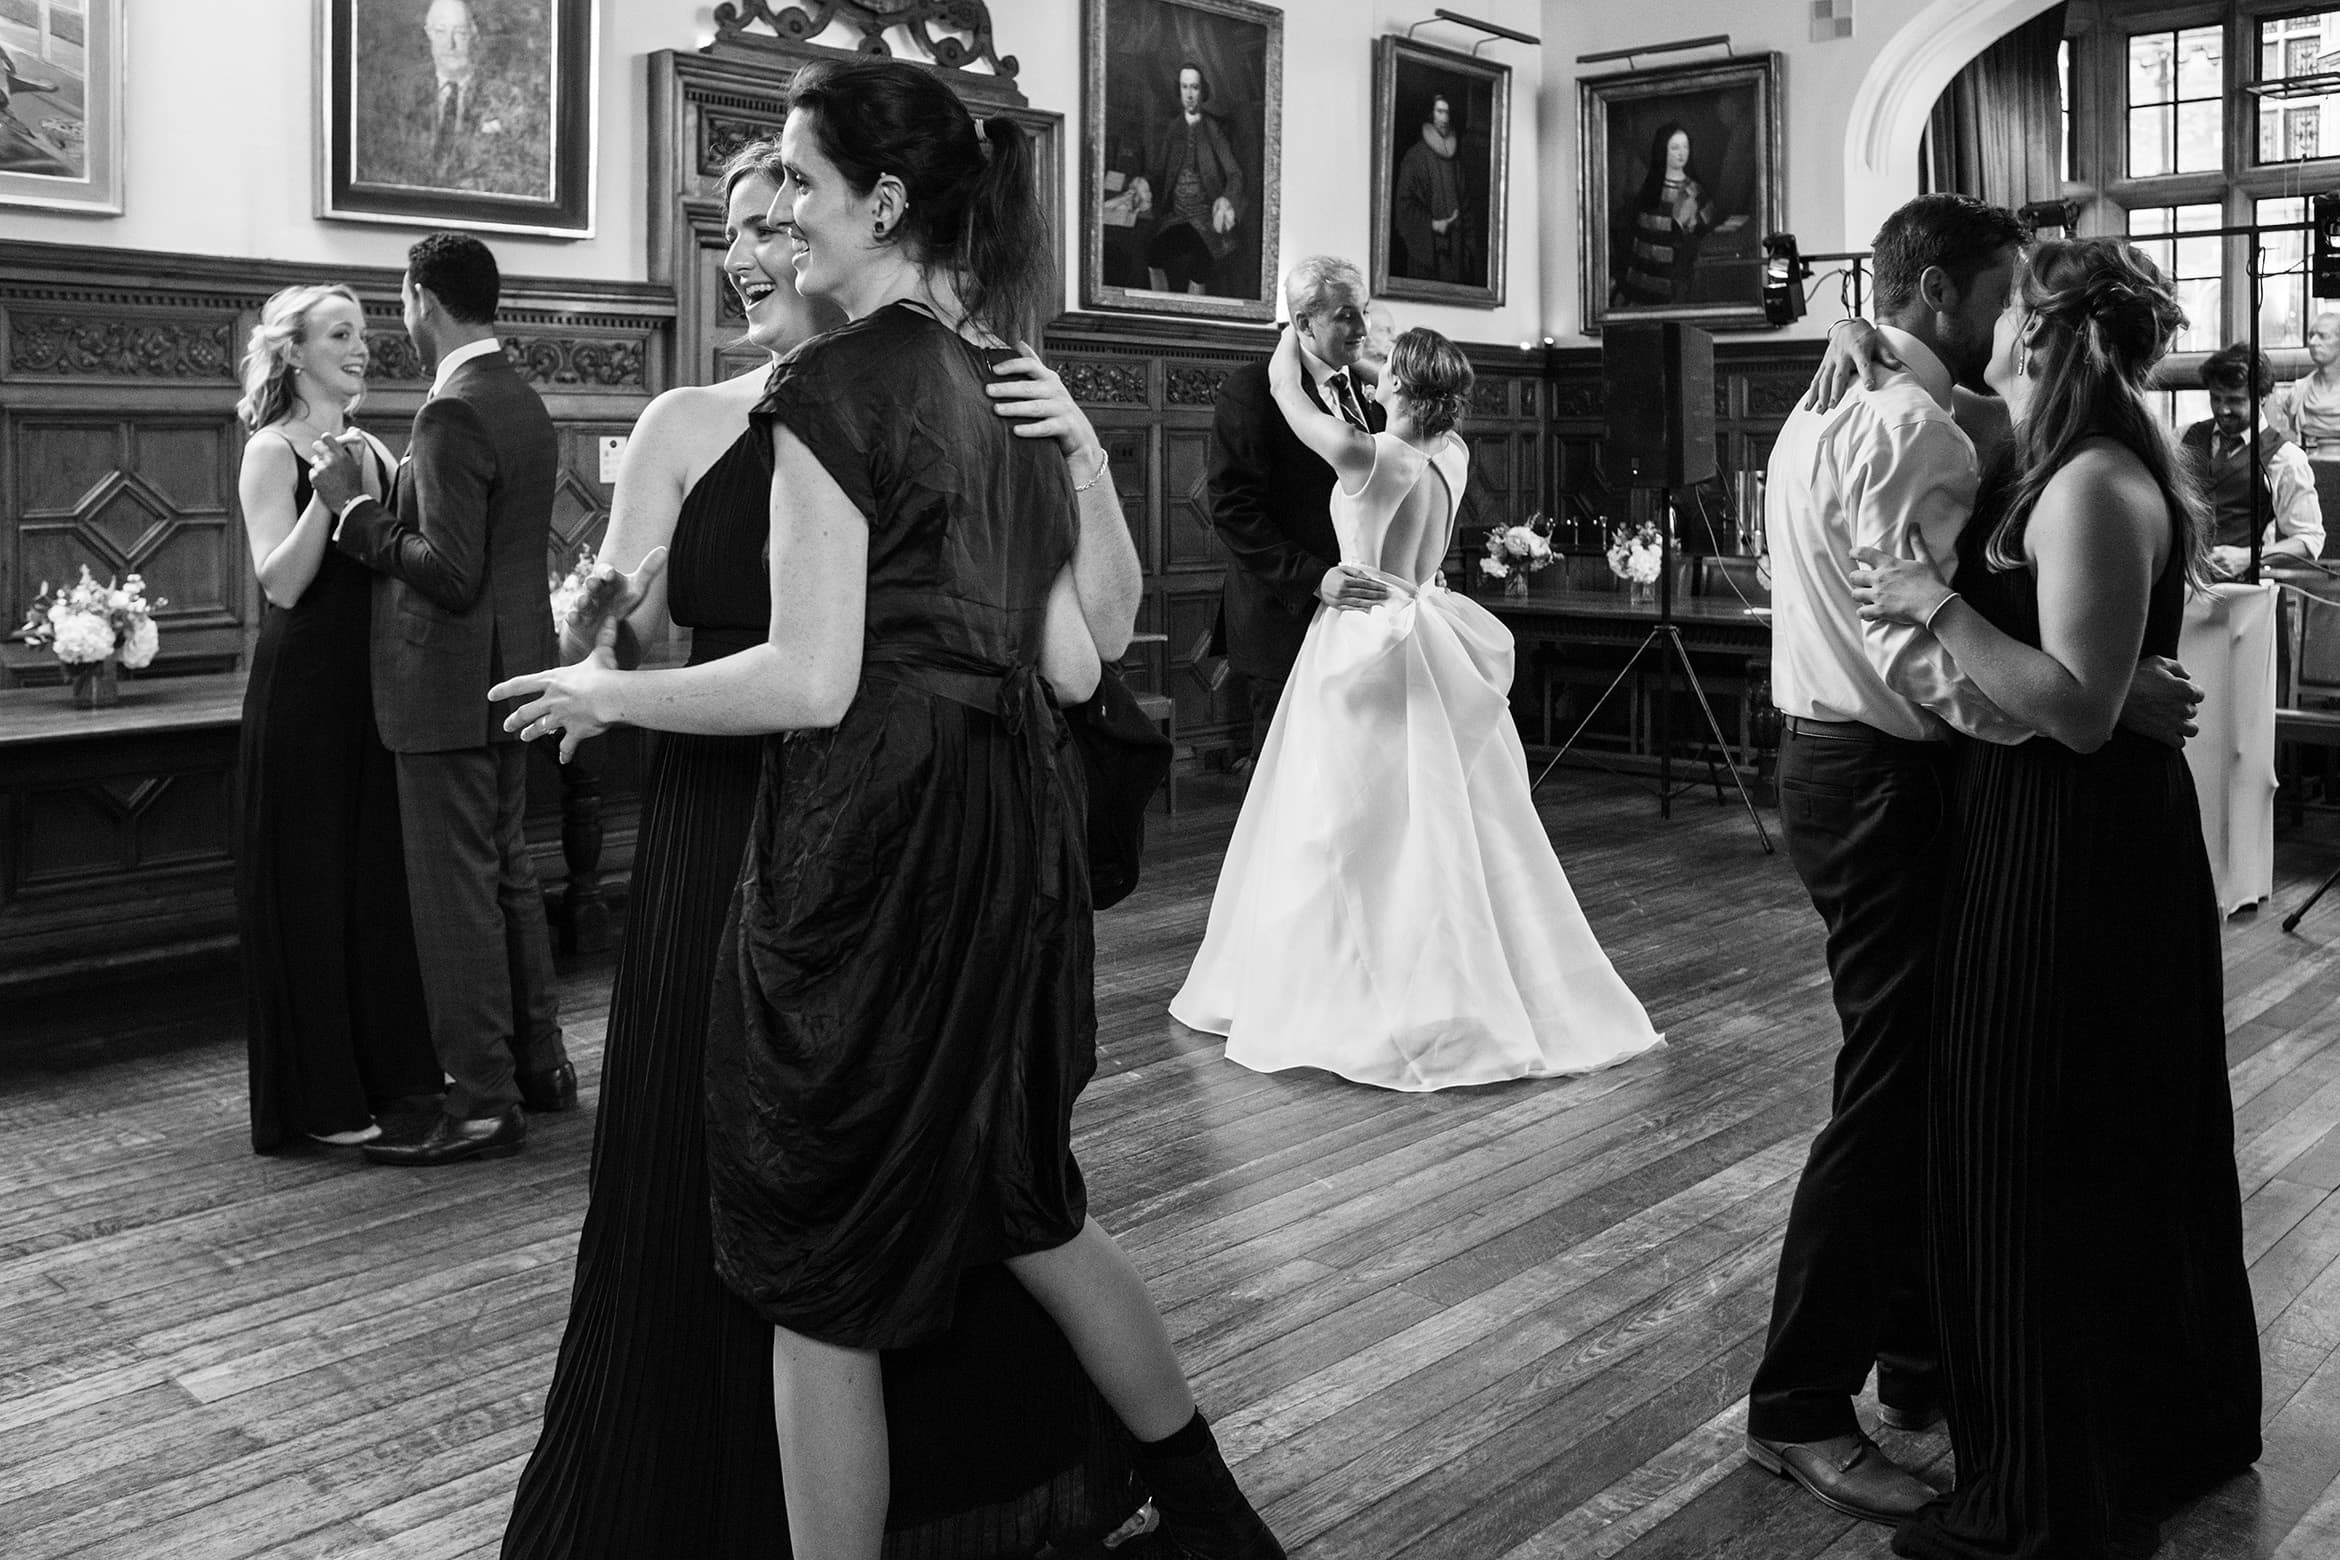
(461, 100)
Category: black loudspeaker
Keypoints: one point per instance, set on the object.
(1659, 384)
(2324, 267)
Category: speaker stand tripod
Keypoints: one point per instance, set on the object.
(2291, 921)
(1666, 639)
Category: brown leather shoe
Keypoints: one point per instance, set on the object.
(553, 1089)
(1847, 1472)
(452, 1140)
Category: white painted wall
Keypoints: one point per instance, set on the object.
(1820, 86)
(221, 106)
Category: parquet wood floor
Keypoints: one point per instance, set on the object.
(1511, 1323)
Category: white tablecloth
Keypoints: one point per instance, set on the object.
(2228, 646)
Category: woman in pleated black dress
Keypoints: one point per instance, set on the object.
(335, 1027)
(903, 1012)
(658, 1432)
(2084, 1222)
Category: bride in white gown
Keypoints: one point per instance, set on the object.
(1390, 908)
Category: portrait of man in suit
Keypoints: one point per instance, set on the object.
(454, 95)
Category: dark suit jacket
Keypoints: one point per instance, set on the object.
(1271, 503)
(460, 601)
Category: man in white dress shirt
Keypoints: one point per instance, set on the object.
(1865, 788)
(2239, 383)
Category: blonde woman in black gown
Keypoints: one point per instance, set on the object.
(2084, 1223)
(658, 1428)
(335, 1023)
(904, 1010)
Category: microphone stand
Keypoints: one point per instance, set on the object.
(1666, 637)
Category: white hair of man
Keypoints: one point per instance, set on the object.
(1308, 283)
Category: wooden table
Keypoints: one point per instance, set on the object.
(117, 826)
(118, 829)
(1735, 638)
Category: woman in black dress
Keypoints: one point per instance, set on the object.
(2084, 1223)
(335, 1029)
(658, 1433)
(903, 1012)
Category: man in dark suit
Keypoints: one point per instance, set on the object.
(1271, 496)
(460, 604)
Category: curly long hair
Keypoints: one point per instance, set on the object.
(268, 372)
(2104, 316)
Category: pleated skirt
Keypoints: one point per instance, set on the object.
(2084, 1222)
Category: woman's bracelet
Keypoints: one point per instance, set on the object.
(1097, 476)
(1937, 612)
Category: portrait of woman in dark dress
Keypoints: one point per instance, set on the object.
(333, 993)
(1657, 233)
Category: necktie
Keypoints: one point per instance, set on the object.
(1345, 397)
(450, 97)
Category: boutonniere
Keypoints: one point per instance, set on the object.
(491, 127)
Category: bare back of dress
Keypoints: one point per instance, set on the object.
(1380, 530)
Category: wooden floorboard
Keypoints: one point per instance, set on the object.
(1510, 1323)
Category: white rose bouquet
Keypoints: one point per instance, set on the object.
(569, 589)
(1636, 555)
(87, 623)
(1518, 549)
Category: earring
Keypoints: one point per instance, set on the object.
(2023, 360)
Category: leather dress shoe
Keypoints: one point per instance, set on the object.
(453, 1139)
(1914, 1417)
(553, 1089)
(1850, 1473)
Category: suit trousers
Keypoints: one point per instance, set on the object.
(1867, 818)
(479, 922)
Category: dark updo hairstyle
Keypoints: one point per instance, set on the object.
(1434, 377)
(2102, 315)
(460, 272)
(973, 208)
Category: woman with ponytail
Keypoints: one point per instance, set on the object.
(658, 1430)
(2084, 1223)
(903, 1009)
(335, 1026)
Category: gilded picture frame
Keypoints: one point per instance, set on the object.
(61, 73)
(1187, 94)
(1441, 174)
(1680, 176)
(459, 114)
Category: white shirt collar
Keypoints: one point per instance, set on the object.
(460, 356)
(1921, 361)
(1318, 369)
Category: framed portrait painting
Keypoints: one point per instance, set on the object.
(1184, 103)
(1441, 174)
(459, 113)
(61, 105)
(1679, 182)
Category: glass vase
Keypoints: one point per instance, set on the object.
(1642, 593)
(97, 685)
(1515, 584)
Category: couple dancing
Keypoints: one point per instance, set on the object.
(2023, 1210)
(1390, 908)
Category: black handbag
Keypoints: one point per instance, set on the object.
(1126, 758)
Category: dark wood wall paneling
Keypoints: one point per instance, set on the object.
(119, 448)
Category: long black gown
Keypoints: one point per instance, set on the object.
(2085, 1227)
(335, 1025)
(658, 1436)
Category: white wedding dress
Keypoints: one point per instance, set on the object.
(1390, 908)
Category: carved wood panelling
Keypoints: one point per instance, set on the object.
(1105, 383)
(41, 343)
(1193, 384)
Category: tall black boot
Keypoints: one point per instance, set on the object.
(1204, 1514)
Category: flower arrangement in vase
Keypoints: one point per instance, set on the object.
(96, 631)
(1636, 555)
(569, 589)
(1516, 551)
